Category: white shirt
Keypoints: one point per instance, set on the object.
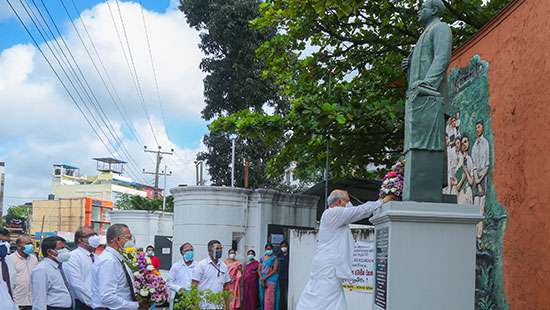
(5, 299)
(11, 273)
(109, 285)
(335, 244)
(48, 287)
(23, 267)
(180, 276)
(211, 277)
(78, 273)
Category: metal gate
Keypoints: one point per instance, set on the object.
(163, 250)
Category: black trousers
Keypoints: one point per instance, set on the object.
(25, 307)
(81, 306)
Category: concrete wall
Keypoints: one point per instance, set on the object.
(516, 45)
(302, 248)
(204, 213)
(58, 215)
(144, 225)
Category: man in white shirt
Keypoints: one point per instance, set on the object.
(332, 261)
(211, 273)
(7, 270)
(78, 268)
(24, 261)
(112, 281)
(49, 286)
(481, 159)
(181, 274)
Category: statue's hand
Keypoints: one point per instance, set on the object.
(405, 64)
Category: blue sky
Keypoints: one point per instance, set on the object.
(43, 125)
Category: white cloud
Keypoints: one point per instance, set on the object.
(40, 126)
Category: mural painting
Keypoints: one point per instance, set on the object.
(470, 162)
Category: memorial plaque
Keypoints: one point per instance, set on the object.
(381, 277)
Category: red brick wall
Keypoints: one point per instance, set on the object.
(517, 46)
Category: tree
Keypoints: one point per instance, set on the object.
(132, 202)
(18, 216)
(338, 62)
(233, 83)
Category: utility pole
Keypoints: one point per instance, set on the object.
(164, 196)
(159, 154)
(233, 138)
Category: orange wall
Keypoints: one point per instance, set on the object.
(517, 46)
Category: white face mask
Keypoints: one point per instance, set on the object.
(284, 249)
(63, 255)
(232, 256)
(349, 205)
(94, 241)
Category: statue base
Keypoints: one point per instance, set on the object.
(424, 172)
(425, 256)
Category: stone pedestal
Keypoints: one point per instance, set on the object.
(426, 256)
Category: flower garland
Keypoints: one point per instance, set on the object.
(392, 183)
(148, 283)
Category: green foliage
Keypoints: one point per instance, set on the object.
(338, 62)
(21, 212)
(131, 202)
(233, 83)
(191, 300)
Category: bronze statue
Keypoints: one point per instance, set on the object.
(427, 99)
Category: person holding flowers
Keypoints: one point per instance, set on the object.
(112, 283)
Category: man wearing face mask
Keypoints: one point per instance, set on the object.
(181, 274)
(332, 261)
(112, 282)
(24, 261)
(50, 290)
(78, 268)
(211, 273)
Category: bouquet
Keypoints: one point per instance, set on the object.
(148, 284)
(392, 183)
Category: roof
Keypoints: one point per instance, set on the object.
(360, 189)
(65, 166)
(109, 160)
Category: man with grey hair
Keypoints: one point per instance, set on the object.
(112, 282)
(332, 261)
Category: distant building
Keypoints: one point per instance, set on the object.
(109, 184)
(67, 215)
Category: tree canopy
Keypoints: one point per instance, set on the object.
(338, 63)
(133, 202)
(233, 83)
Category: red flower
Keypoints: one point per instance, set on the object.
(391, 174)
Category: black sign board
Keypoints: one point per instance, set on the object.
(381, 277)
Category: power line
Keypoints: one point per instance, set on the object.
(152, 64)
(35, 42)
(138, 83)
(114, 94)
(87, 90)
(32, 17)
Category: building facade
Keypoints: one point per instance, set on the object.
(239, 218)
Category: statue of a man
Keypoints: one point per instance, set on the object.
(425, 106)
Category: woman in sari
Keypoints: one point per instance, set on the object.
(250, 282)
(235, 269)
(269, 280)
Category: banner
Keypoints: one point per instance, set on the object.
(362, 267)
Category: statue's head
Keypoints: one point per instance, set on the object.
(430, 9)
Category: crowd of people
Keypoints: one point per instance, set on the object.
(96, 276)
(256, 284)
